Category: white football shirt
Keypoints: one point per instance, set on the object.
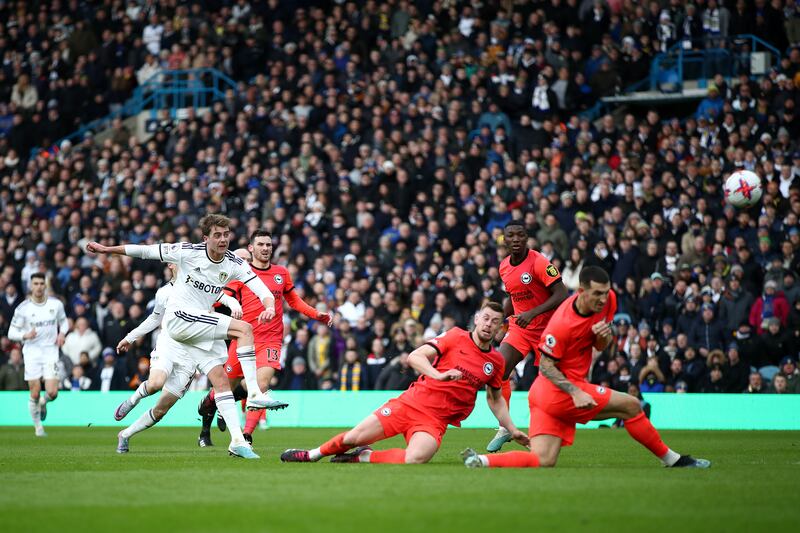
(48, 318)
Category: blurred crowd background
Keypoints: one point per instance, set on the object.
(385, 145)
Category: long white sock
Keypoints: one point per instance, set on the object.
(670, 458)
(33, 408)
(227, 407)
(145, 421)
(247, 358)
(140, 392)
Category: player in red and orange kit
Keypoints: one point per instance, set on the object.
(534, 290)
(454, 367)
(561, 396)
(268, 336)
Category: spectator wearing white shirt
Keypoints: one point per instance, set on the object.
(353, 309)
(82, 339)
(152, 35)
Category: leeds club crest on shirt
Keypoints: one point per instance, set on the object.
(552, 271)
(223, 276)
(278, 279)
(526, 278)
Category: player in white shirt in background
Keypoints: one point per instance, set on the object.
(40, 323)
(204, 270)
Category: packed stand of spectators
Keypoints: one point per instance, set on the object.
(385, 145)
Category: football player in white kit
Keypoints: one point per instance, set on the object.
(204, 270)
(40, 323)
(170, 366)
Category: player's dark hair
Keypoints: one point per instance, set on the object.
(513, 223)
(38, 275)
(593, 274)
(494, 306)
(259, 233)
(209, 221)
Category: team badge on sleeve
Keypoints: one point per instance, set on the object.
(488, 368)
(552, 271)
(550, 341)
(526, 278)
(386, 411)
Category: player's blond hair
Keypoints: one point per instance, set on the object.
(209, 221)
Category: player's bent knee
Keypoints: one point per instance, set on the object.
(547, 462)
(416, 459)
(632, 407)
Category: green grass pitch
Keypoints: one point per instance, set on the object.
(74, 481)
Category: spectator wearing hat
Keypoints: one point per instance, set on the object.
(788, 368)
(707, 334)
(771, 303)
(651, 307)
(694, 368)
(111, 374)
(774, 344)
(689, 316)
(791, 289)
(734, 305)
(710, 107)
(736, 370)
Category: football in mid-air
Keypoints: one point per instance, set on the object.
(743, 188)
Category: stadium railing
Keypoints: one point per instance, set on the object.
(168, 89)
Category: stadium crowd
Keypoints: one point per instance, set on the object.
(385, 145)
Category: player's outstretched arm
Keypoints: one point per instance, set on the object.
(297, 303)
(547, 367)
(494, 397)
(148, 324)
(421, 360)
(149, 251)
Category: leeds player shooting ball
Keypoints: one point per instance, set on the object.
(743, 188)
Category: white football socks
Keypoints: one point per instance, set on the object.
(227, 408)
(145, 421)
(247, 358)
(33, 409)
(140, 392)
